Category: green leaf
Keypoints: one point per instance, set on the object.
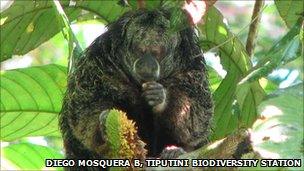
(153, 4)
(31, 99)
(214, 79)
(27, 24)
(107, 10)
(290, 10)
(249, 96)
(28, 156)
(279, 131)
(285, 50)
(148, 4)
(236, 62)
(178, 20)
(74, 47)
(268, 85)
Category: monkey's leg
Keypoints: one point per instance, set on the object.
(187, 116)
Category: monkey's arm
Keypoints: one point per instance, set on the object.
(189, 109)
(86, 126)
(89, 94)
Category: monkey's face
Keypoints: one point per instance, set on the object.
(150, 47)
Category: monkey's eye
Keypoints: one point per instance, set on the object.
(158, 51)
(138, 50)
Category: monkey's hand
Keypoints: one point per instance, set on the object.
(155, 95)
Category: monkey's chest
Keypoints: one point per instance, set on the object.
(150, 130)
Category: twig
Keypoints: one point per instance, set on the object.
(253, 29)
(302, 50)
(140, 4)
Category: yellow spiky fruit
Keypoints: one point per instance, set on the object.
(122, 138)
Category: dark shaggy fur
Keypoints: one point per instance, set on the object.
(102, 80)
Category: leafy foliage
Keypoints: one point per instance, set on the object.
(280, 125)
(31, 99)
(214, 79)
(135, 4)
(290, 11)
(68, 34)
(284, 51)
(235, 60)
(34, 22)
(28, 156)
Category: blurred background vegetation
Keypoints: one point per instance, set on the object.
(237, 17)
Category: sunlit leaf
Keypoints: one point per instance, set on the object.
(31, 100)
(28, 156)
(290, 10)
(74, 47)
(26, 24)
(268, 85)
(228, 113)
(214, 79)
(279, 131)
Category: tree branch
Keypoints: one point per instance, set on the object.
(254, 26)
(234, 146)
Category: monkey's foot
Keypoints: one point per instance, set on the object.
(172, 152)
(102, 120)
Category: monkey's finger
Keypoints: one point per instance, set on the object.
(154, 92)
(154, 102)
(157, 100)
(150, 89)
(153, 97)
(151, 103)
(152, 85)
